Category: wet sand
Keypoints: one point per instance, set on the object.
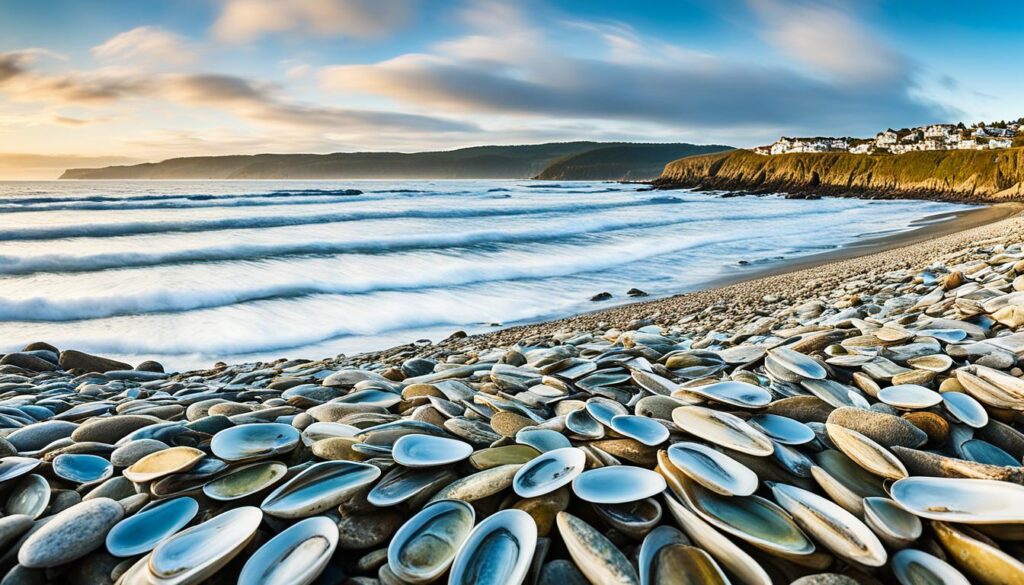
(741, 295)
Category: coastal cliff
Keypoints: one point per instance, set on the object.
(955, 175)
(634, 162)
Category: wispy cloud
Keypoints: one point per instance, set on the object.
(147, 45)
(245, 20)
(631, 79)
(830, 40)
(238, 96)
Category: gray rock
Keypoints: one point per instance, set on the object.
(112, 429)
(71, 535)
(127, 454)
(38, 435)
(12, 527)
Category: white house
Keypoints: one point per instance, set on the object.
(939, 131)
(1000, 143)
(886, 138)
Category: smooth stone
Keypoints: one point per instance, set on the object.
(368, 530)
(253, 441)
(71, 359)
(429, 451)
(142, 532)
(617, 484)
(38, 435)
(296, 556)
(82, 469)
(194, 554)
(505, 455)
(885, 429)
(111, 429)
(71, 534)
(425, 546)
(548, 472)
(12, 526)
(479, 485)
(561, 572)
(129, 453)
(498, 551)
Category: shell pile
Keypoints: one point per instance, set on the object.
(872, 437)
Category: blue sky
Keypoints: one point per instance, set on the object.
(102, 81)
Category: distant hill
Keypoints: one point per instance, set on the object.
(961, 175)
(480, 162)
(631, 162)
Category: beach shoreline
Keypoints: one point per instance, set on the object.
(936, 234)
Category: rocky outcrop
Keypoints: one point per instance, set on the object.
(955, 175)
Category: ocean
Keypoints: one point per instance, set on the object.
(193, 272)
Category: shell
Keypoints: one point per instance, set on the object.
(297, 555)
(498, 551)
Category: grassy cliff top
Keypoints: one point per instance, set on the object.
(969, 175)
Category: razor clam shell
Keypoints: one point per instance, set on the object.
(498, 551)
(723, 429)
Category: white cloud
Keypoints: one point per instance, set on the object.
(246, 20)
(148, 45)
(829, 41)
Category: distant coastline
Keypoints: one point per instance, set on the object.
(561, 161)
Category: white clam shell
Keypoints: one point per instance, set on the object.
(318, 488)
(425, 546)
(548, 472)
(967, 501)
(618, 484)
(713, 469)
(194, 554)
(499, 550)
(296, 556)
(429, 450)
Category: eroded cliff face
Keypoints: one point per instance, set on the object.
(960, 175)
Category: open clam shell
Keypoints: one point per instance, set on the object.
(866, 453)
(141, 532)
(723, 429)
(965, 408)
(318, 488)
(254, 441)
(429, 451)
(894, 525)
(29, 496)
(796, 363)
(498, 551)
(751, 518)
(245, 481)
(425, 546)
(732, 392)
(82, 468)
(831, 525)
(195, 554)
(641, 428)
(713, 469)
(965, 501)
(617, 484)
(720, 547)
(909, 396)
(164, 462)
(656, 540)
(915, 567)
(548, 472)
(782, 429)
(295, 556)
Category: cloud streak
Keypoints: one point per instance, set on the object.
(147, 45)
(634, 79)
(246, 20)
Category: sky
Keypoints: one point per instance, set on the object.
(123, 81)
